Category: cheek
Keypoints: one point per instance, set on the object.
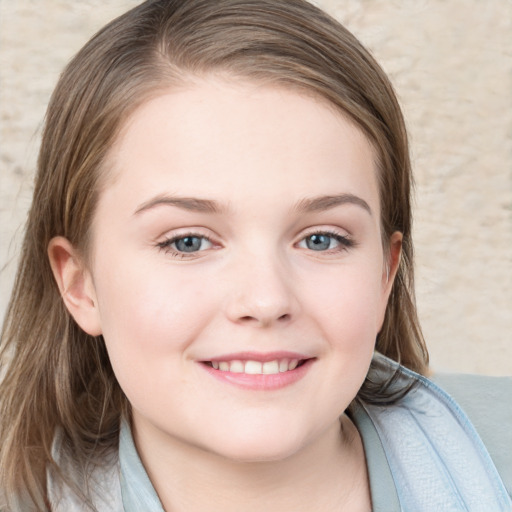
(149, 323)
(149, 314)
(347, 302)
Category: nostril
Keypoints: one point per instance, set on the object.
(249, 318)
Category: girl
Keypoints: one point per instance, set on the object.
(216, 284)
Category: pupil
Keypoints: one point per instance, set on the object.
(188, 244)
(318, 242)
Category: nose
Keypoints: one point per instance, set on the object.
(261, 293)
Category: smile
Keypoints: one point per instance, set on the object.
(257, 367)
(262, 372)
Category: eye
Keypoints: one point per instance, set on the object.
(325, 241)
(186, 244)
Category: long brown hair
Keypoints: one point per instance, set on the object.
(55, 375)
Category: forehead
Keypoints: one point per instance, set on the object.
(238, 135)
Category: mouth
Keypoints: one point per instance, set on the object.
(259, 371)
(252, 367)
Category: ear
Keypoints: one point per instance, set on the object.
(75, 284)
(391, 264)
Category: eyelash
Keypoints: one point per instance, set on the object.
(345, 242)
(166, 244)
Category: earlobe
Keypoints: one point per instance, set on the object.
(75, 284)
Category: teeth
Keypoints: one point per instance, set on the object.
(283, 365)
(293, 364)
(256, 367)
(253, 367)
(270, 367)
(236, 367)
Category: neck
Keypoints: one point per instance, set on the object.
(329, 474)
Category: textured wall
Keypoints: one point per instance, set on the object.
(451, 63)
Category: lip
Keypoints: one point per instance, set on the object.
(262, 357)
(260, 382)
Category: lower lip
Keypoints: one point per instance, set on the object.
(261, 382)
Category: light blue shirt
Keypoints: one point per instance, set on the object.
(423, 455)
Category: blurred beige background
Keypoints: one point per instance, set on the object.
(451, 63)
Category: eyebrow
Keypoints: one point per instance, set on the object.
(186, 203)
(306, 205)
(320, 203)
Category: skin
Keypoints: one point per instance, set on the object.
(261, 154)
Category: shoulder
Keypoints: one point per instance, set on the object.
(436, 454)
(487, 401)
(90, 487)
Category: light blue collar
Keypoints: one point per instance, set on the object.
(422, 452)
(137, 491)
(435, 455)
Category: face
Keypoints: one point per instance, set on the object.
(237, 271)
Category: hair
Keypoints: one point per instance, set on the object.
(57, 377)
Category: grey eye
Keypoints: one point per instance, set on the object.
(189, 243)
(319, 242)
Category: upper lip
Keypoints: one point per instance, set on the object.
(262, 357)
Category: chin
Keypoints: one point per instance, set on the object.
(251, 452)
(266, 445)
